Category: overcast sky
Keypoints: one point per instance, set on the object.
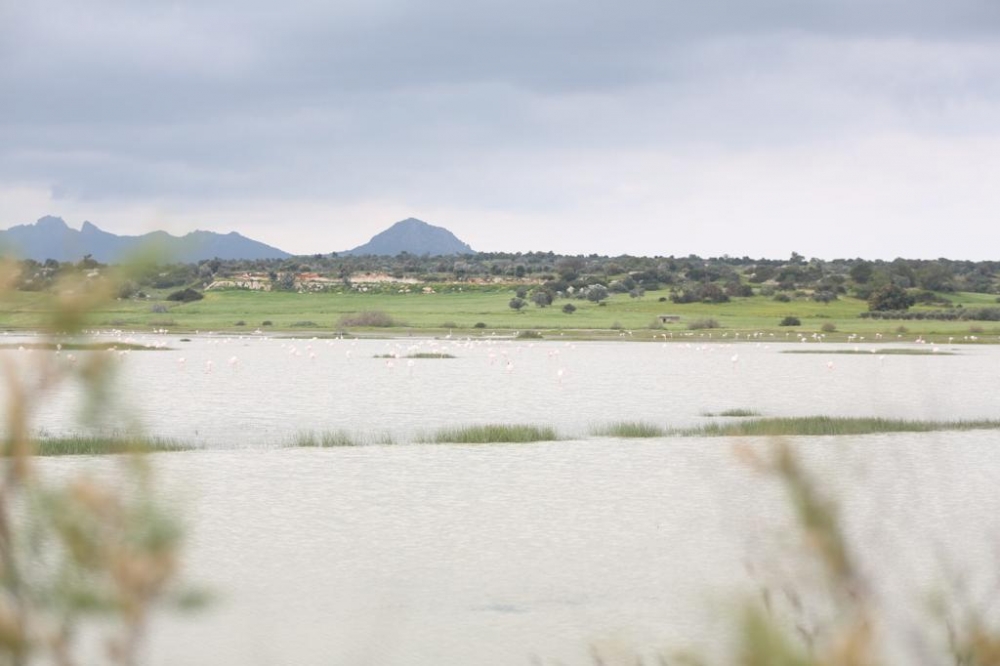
(834, 128)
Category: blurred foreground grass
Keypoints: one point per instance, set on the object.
(80, 555)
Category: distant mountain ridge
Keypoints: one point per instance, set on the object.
(415, 237)
(51, 238)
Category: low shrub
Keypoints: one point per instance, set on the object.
(368, 318)
(790, 321)
(186, 296)
(703, 323)
(951, 314)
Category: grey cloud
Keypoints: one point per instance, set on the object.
(484, 103)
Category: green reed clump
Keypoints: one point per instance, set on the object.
(417, 355)
(91, 445)
(81, 346)
(830, 425)
(869, 352)
(338, 438)
(496, 433)
(628, 429)
(734, 412)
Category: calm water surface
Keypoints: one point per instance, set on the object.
(220, 392)
(421, 554)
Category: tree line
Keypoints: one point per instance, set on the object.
(545, 276)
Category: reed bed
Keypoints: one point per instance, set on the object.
(871, 352)
(495, 433)
(734, 413)
(628, 429)
(91, 445)
(340, 438)
(829, 425)
(80, 346)
(417, 355)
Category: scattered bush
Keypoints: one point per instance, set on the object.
(529, 335)
(701, 293)
(790, 321)
(186, 296)
(305, 324)
(158, 308)
(368, 318)
(569, 308)
(267, 322)
(783, 298)
(953, 314)
(890, 297)
(240, 323)
(703, 323)
(541, 298)
(828, 327)
(479, 324)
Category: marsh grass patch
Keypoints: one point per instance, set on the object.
(81, 346)
(628, 430)
(813, 426)
(873, 352)
(417, 355)
(91, 445)
(339, 438)
(736, 413)
(493, 433)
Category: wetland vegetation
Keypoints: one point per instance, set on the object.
(813, 426)
(492, 433)
(590, 297)
(655, 308)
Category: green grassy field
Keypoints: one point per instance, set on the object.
(320, 314)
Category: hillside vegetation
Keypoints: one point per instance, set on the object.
(661, 297)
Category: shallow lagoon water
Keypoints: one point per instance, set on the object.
(429, 554)
(225, 392)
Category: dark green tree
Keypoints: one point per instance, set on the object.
(890, 297)
(517, 303)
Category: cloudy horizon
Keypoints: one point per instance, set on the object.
(648, 127)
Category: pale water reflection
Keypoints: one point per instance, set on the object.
(430, 554)
(489, 555)
(220, 392)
